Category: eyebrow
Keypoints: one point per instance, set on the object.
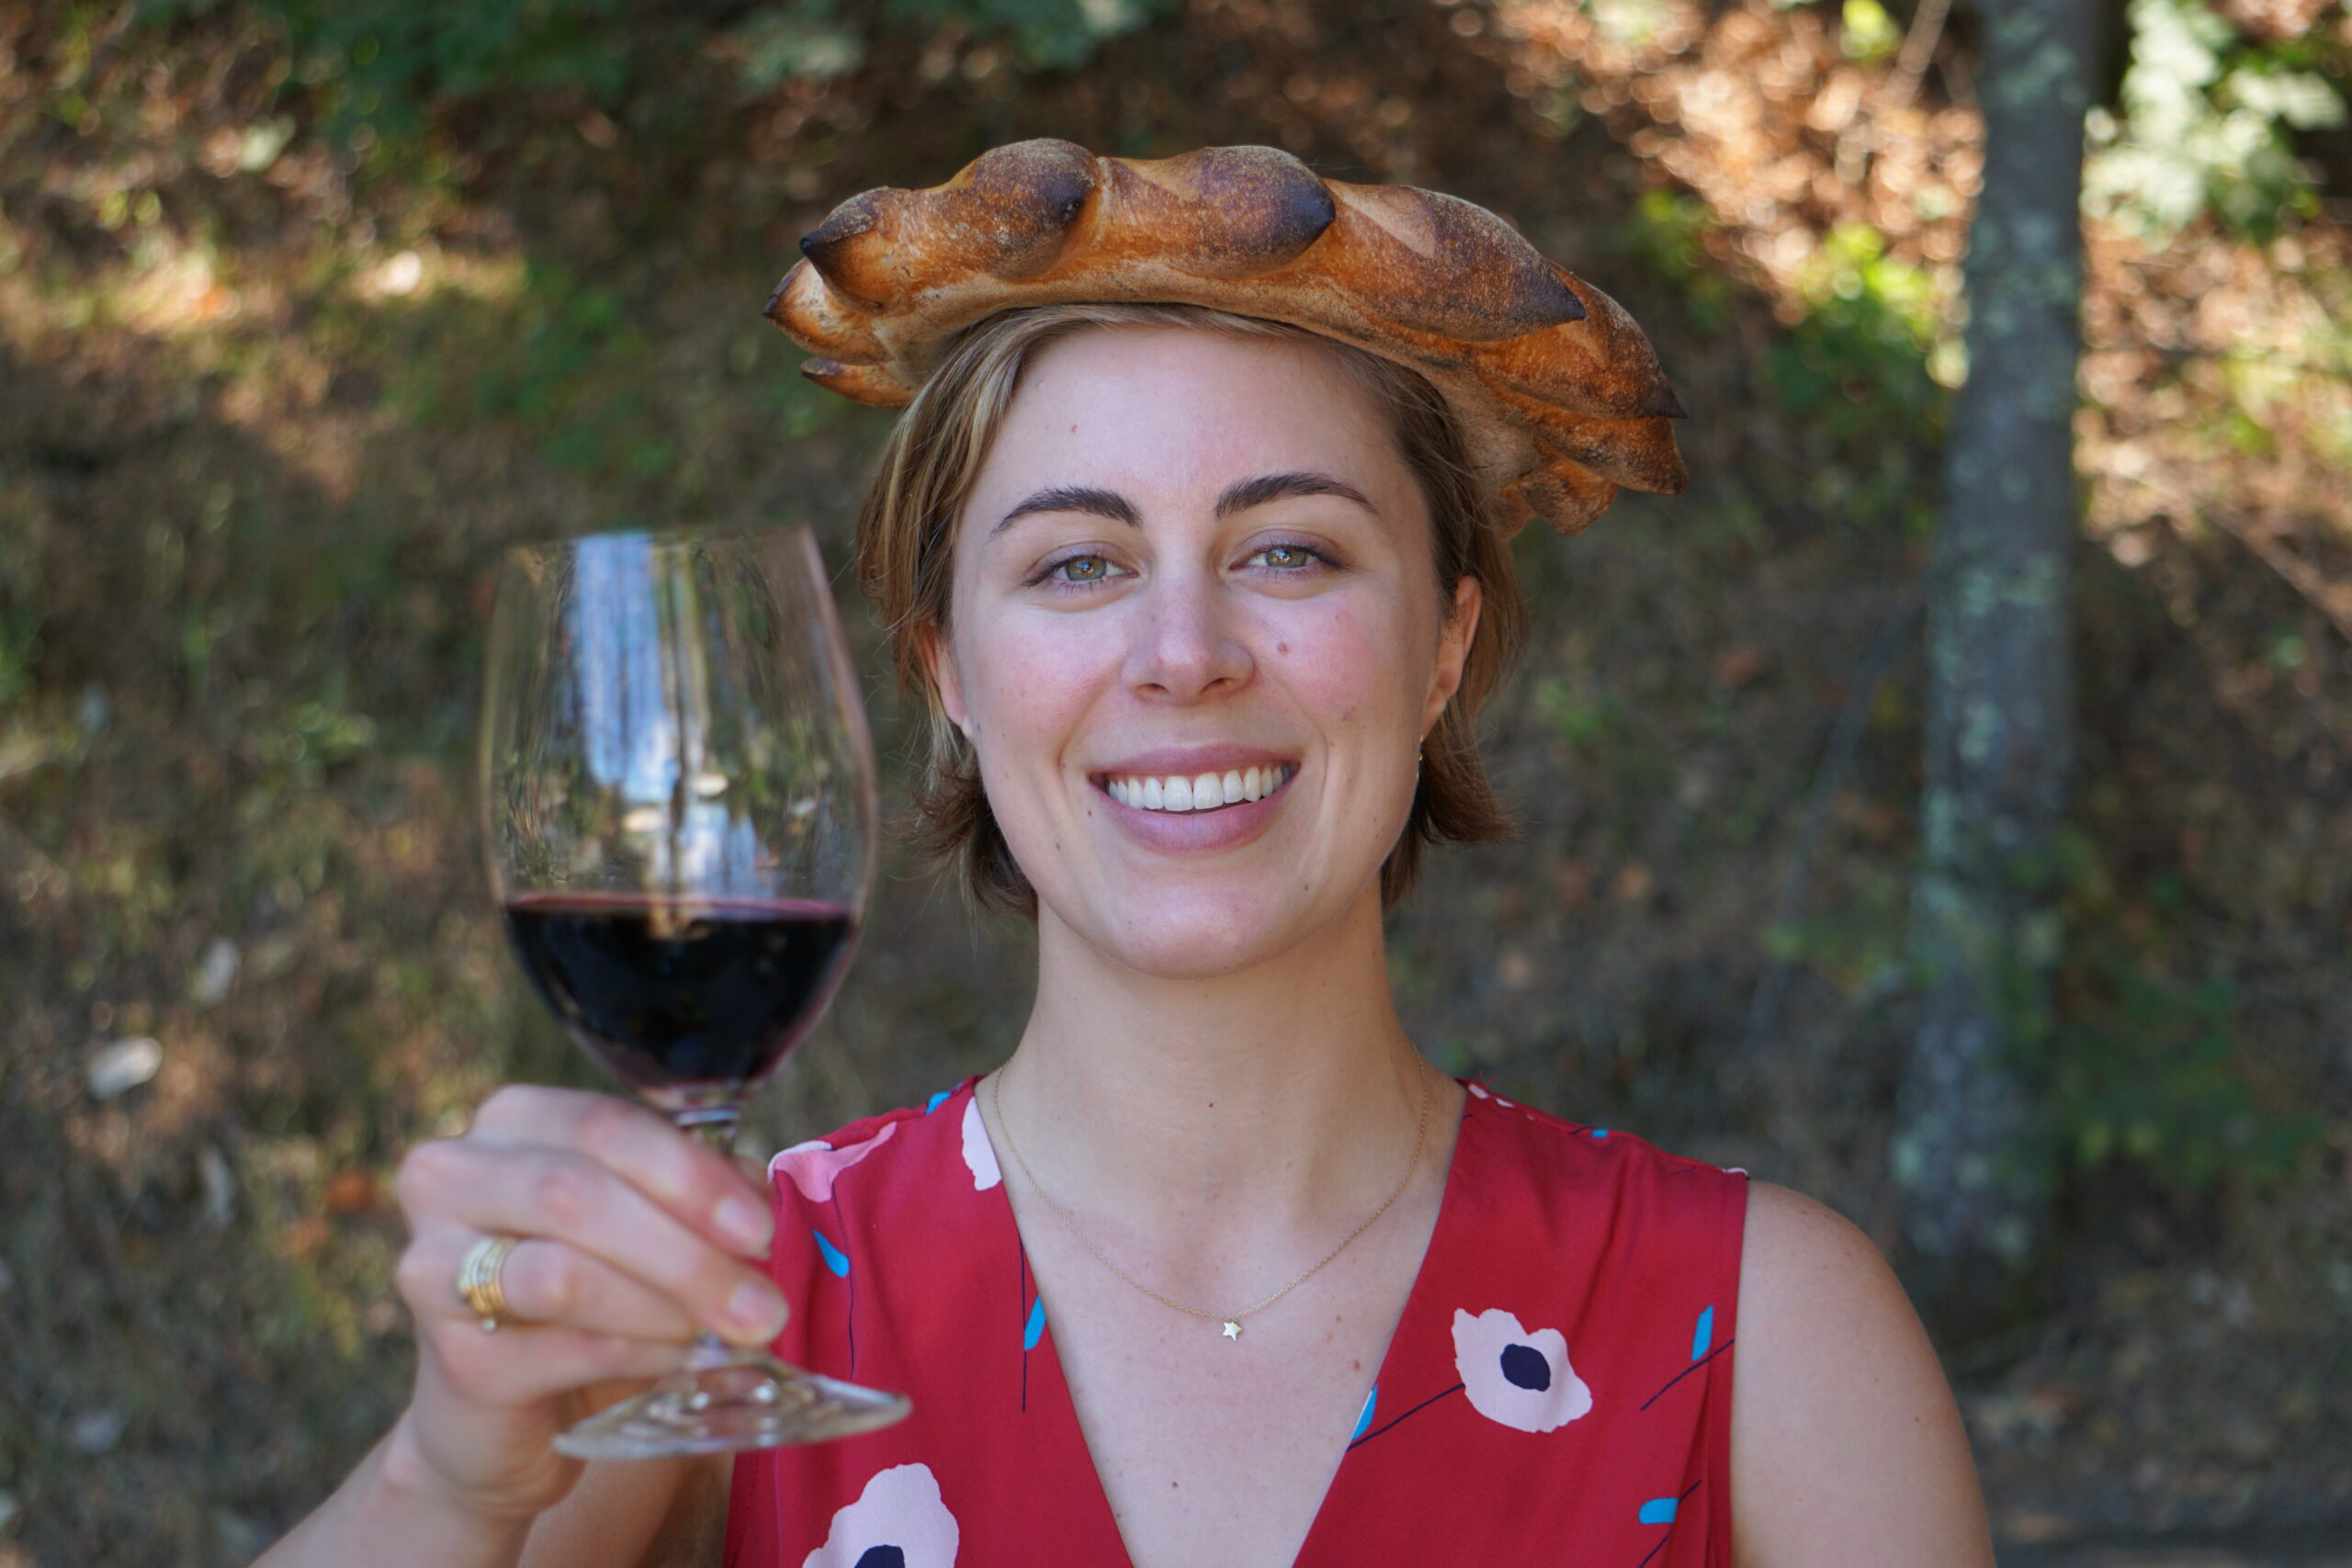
(1244, 494)
(1072, 497)
(1239, 496)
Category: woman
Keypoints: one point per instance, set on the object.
(1215, 1269)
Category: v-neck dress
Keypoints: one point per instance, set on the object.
(1558, 1390)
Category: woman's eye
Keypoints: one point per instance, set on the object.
(1286, 557)
(1081, 568)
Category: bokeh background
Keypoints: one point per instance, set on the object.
(308, 307)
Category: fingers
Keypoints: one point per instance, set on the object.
(524, 1363)
(703, 1189)
(484, 1188)
(546, 1282)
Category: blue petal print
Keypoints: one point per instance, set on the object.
(1363, 1422)
(935, 1101)
(1660, 1511)
(1035, 1326)
(1705, 1335)
(1601, 1132)
(836, 1259)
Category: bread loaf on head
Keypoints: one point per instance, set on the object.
(1559, 391)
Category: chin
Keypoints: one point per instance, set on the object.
(1172, 936)
(1187, 953)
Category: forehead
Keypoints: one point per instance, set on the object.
(1164, 412)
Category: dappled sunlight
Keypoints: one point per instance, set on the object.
(271, 401)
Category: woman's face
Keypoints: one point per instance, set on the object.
(1196, 569)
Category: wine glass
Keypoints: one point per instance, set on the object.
(678, 797)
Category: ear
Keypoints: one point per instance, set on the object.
(1454, 640)
(938, 655)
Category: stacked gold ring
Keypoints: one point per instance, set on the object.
(477, 1284)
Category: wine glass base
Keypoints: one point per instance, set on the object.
(754, 1404)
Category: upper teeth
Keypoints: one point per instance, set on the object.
(1200, 792)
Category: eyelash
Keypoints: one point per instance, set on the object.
(1047, 575)
(1314, 556)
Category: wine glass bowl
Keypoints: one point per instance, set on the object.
(679, 811)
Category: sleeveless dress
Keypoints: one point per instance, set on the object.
(1558, 1390)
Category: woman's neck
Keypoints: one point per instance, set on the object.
(1288, 1091)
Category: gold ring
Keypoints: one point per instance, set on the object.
(477, 1284)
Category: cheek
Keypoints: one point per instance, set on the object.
(1349, 662)
(1029, 679)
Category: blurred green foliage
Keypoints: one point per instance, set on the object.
(1668, 235)
(381, 65)
(1865, 372)
(2141, 1061)
(19, 613)
(1866, 353)
(1866, 32)
(2206, 123)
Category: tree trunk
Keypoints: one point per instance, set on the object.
(2000, 689)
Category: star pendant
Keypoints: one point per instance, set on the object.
(1232, 1329)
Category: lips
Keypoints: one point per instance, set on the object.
(1210, 790)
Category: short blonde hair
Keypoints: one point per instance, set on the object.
(906, 537)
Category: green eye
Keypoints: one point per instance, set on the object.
(1288, 557)
(1083, 569)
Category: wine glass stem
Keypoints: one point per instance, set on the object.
(712, 1126)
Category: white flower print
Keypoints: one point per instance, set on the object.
(1518, 1379)
(980, 1156)
(898, 1521)
(813, 1165)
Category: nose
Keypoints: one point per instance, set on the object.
(1186, 646)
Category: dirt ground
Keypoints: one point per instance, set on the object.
(268, 411)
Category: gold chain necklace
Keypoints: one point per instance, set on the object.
(1231, 1321)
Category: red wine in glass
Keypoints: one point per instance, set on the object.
(681, 998)
(678, 801)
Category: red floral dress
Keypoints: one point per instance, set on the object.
(1557, 1391)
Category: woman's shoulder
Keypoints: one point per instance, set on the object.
(1838, 1378)
(895, 1151)
(1554, 1152)
(1599, 1208)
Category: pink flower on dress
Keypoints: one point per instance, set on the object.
(900, 1519)
(813, 1165)
(1515, 1376)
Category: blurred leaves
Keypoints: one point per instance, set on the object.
(265, 410)
(2142, 1062)
(2206, 123)
(1048, 34)
(382, 65)
(1867, 32)
(383, 62)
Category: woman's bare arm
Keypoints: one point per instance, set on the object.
(638, 1514)
(631, 1238)
(1846, 1445)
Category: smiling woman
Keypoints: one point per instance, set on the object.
(906, 546)
(1193, 539)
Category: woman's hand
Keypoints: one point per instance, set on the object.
(634, 1238)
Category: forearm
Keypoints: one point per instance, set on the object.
(389, 1512)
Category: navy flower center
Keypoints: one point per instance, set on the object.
(1524, 1367)
(882, 1557)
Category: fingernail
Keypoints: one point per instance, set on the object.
(747, 1224)
(757, 1307)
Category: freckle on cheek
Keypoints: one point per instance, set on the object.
(1282, 647)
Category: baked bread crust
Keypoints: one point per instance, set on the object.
(1561, 395)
